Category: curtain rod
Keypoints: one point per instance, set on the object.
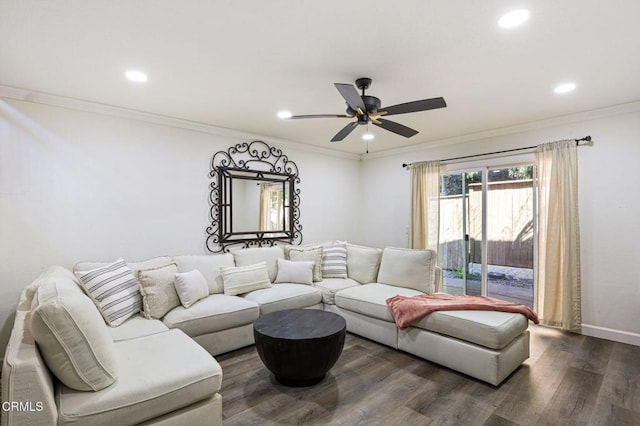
(586, 138)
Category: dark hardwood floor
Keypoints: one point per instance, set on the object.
(569, 379)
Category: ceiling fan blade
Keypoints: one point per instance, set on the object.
(415, 106)
(344, 132)
(295, 117)
(350, 94)
(394, 127)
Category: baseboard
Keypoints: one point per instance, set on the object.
(611, 334)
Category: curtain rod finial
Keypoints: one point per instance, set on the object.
(586, 139)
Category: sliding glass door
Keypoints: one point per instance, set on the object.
(460, 247)
(509, 224)
(486, 233)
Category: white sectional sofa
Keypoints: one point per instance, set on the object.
(166, 370)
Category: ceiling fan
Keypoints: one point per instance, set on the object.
(366, 109)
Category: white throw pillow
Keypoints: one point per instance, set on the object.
(304, 254)
(409, 268)
(72, 336)
(114, 290)
(334, 260)
(191, 286)
(159, 294)
(363, 263)
(253, 255)
(209, 265)
(243, 279)
(295, 272)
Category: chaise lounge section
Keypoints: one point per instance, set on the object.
(486, 345)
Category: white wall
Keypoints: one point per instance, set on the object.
(609, 206)
(80, 186)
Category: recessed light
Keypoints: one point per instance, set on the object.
(137, 76)
(368, 136)
(514, 18)
(284, 114)
(564, 88)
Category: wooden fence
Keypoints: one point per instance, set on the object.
(509, 226)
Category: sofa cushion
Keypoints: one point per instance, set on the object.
(301, 253)
(213, 313)
(371, 299)
(363, 263)
(72, 336)
(243, 279)
(136, 326)
(251, 256)
(191, 286)
(114, 290)
(490, 329)
(285, 296)
(410, 268)
(158, 291)
(334, 260)
(329, 286)
(50, 274)
(295, 272)
(159, 374)
(209, 265)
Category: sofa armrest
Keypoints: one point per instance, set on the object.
(27, 384)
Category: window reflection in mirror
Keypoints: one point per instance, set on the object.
(273, 216)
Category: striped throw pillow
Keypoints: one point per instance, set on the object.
(114, 290)
(244, 279)
(334, 260)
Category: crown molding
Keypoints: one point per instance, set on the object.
(25, 95)
(613, 110)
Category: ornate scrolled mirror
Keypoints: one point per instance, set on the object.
(254, 200)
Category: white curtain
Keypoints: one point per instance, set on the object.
(558, 237)
(264, 219)
(271, 207)
(424, 226)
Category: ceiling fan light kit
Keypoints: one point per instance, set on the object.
(367, 109)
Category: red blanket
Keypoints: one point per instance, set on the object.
(407, 310)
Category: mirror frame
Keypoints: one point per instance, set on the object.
(253, 161)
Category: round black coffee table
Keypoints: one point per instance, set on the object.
(299, 346)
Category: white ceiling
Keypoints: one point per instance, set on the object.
(236, 64)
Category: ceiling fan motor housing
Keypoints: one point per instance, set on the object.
(371, 103)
